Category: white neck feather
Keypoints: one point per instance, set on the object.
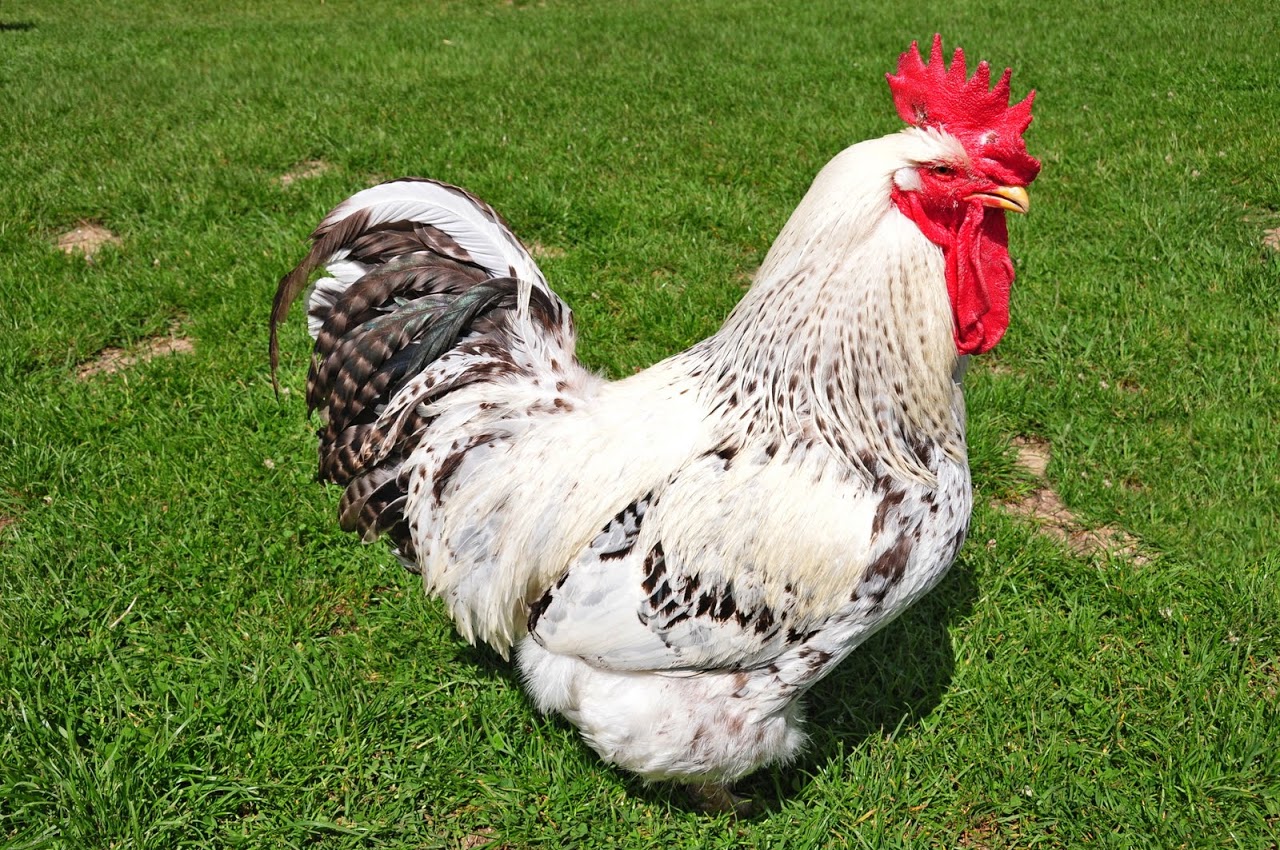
(847, 330)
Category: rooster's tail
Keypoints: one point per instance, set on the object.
(428, 291)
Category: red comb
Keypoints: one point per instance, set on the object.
(934, 96)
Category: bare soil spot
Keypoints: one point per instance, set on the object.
(1046, 510)
(86, 238)
(342, 620)
(1130, 386)
(1043, 507)
(1268, 220)
(110, 360)
(746, 277)
(303, 171)
(982, 835)
(482, 837)
(1271, 239)
(545, 252)
(1033, 455)
(6, 521)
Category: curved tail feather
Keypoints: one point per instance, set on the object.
(428, 291)
(401, 217)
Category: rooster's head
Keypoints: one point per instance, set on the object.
(971, 166)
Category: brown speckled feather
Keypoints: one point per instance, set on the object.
(404, 293)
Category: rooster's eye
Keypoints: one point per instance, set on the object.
(943, 170)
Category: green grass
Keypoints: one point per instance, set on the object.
(191, 654)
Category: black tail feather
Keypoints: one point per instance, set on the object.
(405, 278)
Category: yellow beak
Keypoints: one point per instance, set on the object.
(1011, 198)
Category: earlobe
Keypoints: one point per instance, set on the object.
(907, 180)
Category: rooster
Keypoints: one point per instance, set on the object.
(678, 556)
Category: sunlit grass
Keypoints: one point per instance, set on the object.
(192, 654)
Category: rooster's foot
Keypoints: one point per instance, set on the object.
(717, 798)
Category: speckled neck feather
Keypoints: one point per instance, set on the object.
(846, 335)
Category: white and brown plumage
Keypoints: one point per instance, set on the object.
(678, 556)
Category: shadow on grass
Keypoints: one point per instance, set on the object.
(884, 686)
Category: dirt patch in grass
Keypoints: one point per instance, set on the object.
(545, 252)
(1033, 455)
(336, 619)
(86, 238)
(980, 836)
(1268, 220)
(482, 837)
(303, 171)
(6, 521)
(985, 832)
(111, 359)
(746, 277)
(1044, 507)
(1271, 239)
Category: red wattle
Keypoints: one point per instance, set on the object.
(975, 247)
(979, 276)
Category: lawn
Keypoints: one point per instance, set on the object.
(191, 652)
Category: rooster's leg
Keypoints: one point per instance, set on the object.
(718, 799)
